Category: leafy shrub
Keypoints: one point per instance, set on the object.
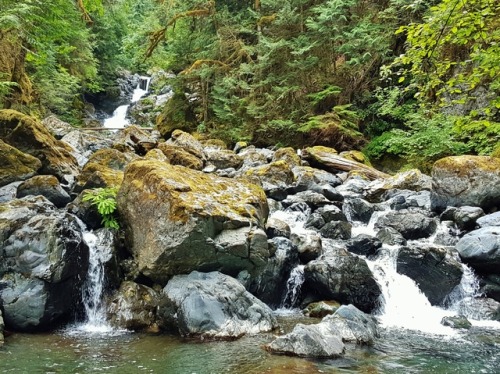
(104, 199)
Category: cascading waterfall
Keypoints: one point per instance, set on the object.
(293, 286)
(119, 118)
(93, 289)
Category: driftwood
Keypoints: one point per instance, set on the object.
(112, 128)
(326, 159)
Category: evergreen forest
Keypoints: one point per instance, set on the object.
(404, 81)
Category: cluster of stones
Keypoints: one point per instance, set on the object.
(200, 255)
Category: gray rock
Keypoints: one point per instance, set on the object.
(492, 219)
(345, 278)
(405, 199)
(223, 159)
(465, 217)
(321, 309)
(436, 270)
(309, 341)
(353, 325)
(412, 224)
(313, 199)
(480, 308)
(331, 213)
(134, 306)
(466, 180)
(43, 260)
(47, 186)
(358, 210)
(481, 249)
(490, 286)
(337, 230)
(306, 178)
(214, 305)
(412, 180)
(308, 245)
(353, 188)
(8, 192)
(327, 191)
(364, 245)
(84, 144)
(276, 227)
(390, 236)
(57, 127)
(456, 322)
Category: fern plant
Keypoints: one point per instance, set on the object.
(104, 199)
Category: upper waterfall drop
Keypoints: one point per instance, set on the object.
(119, 118)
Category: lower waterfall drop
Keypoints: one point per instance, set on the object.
(293, 286)
(93, 288)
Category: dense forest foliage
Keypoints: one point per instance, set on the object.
(406, 81)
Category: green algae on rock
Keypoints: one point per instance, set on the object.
(16, 165)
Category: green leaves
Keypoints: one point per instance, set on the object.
(104, 199)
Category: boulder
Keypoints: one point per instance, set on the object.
(390, 236)
(364, 245)
(412, 180)
(465, 217)
(84, 144)
(358, 210)
(352, 325)
(289, 155)
(345, 278)
(412, 224)
(406, 199)
(308, 245)
(492, 219)
(274, 178)
(306, 178)
(47, 186)
(313, 199)
(58, 128)
(9, 192)
(29, 136)
(309, 341)
(490, 286)
(466, 180)
(353, 188)
(43, 261)
(223, 158)
(177, 220)
(321, 309)
(136, 140)
(179, 156)
(336, 230)
(456, 322)
(328, 159)
(16, 165)
(214, 305)
(481, 249)
(480, 308)
(271, 281)
(156, 154)
(134, 306)
(276, 227)
(188, 143)
(436, 270)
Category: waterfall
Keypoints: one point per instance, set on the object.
(293, 286)
(119, 118)
(93, 288)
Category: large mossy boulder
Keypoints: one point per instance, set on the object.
(214, 305)
(466, 180)
(47, 186)
(43, 261)
(178, 220)
(177, 113)
(16, 165)
(412, 180)
(29, 136)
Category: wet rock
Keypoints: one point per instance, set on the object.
(136, 140)
(269, 283)
(345, 278)
(321, 309)
(412, 180)
(276, 227)
(465, 217)
(405, 199)
(309, 341)
(134, 307)
(390, 236)
(16, 165)
(308, 245)
(43, 262)
(490, 286)
(353, 188)
(358, 210)
(215, 306)
(412, 224)
(466, 180)
(274, 178)
(435, 269)
(306, 178)
(353, 325)
(480, 308)
(492, 219)
(327, 191)
(481, 249)
(177, 220)
(456, 322)
(331, 213)
(47, 186)
(336, 230)
(84, 144)
(313, 199)
(315, 222)
(8, 192)
(179, 156)
(364, 245)
(29, 136)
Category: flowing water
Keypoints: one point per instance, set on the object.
(412, 339)
(119, 118)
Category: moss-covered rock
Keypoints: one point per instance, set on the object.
(177, 113)
(29, 136)
(328, 159)
(104, 169)
(356, 156)
(275, 177)
(134, 139)
(16, 165)
(179, 156)
(47, 186)
(496, 151)
(466, 180)
(289, 155)
(178, 220)
(413, 180)
(223, 158)
(187, 142)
